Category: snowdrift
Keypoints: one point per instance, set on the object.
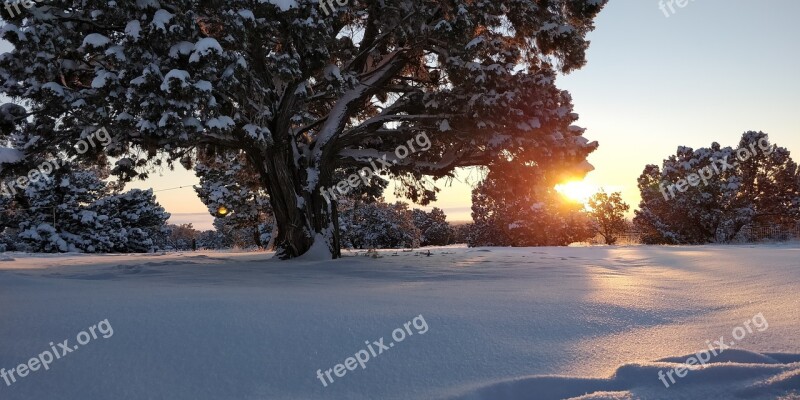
(736, 374)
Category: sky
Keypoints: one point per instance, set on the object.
(706, 73)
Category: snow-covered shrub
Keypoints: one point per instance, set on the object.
(378, 225)
(213, 240)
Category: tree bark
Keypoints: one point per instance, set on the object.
(300, 216)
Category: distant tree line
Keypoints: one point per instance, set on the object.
(77, 211)
(707, 195)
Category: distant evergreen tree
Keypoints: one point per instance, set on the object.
(463, 233)
(519, 206)
(754, 183)
(433, 227)
(377, 225)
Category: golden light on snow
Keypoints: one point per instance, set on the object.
(577, 191)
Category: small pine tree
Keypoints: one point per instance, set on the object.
(608, 215)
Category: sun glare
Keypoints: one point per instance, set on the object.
(577, 191)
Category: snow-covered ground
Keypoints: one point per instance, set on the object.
(530, 323)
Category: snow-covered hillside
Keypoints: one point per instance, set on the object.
(528, 323)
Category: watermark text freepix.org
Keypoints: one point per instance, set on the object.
(365, 174)
(716, 348)
(663, 5)
(361, 357)
(44, 359)
(743, 154)
(12, 7)
(327, 5)
(48, 167)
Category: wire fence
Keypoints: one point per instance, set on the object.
(748, 234)
(771, 232)
(627, 238)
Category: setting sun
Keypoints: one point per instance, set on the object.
(577, 191)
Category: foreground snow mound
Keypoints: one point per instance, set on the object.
(735, 374)
(319, 251)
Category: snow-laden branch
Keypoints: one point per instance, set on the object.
(347, 104)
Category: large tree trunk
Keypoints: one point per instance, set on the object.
(301, 217)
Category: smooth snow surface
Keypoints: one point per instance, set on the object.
(530, 323)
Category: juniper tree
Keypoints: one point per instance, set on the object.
(519, 206)
(301, 94)
(709, 194)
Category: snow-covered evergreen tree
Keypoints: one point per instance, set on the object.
(378, 225)
(709, 194)
(301, 93)
(135, 218)
(57, 219)
(433, 226)
(75, 211)
(519, 206)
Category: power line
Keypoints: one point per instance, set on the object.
(28, 209)
(179, 187)
(49, 207)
